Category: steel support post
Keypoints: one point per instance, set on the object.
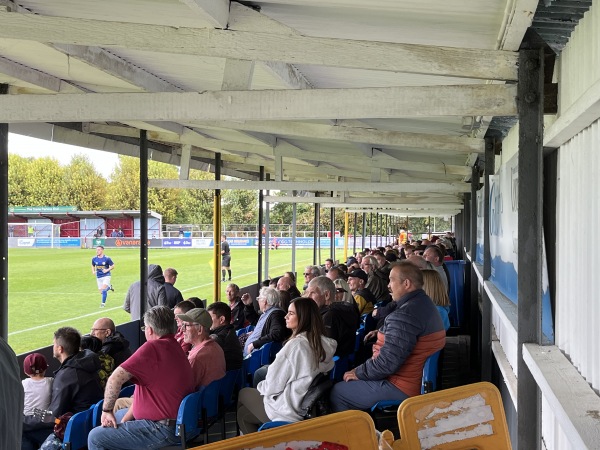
(260, 225)
(217, 233)
(4, 223)
(143, 226)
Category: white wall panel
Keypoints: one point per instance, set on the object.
(580, 60)
(578, 269)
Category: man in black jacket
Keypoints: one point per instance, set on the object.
(173, 294)
(76, 386)
(340, 318)
(113, 342)
(223, 332)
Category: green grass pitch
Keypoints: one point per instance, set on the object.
(52, 288)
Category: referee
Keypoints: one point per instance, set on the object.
(226, 258)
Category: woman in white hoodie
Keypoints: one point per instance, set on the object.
(305, 354)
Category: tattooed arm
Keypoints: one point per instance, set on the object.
(111, 393)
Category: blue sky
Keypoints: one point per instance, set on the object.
(104, 162)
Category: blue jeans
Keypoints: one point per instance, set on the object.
(363, 394)
(133, 435)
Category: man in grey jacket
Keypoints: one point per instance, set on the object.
(156, 293)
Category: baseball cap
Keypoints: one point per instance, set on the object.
(197, 315)
(34, 363)
(351, 260)
(359, 273)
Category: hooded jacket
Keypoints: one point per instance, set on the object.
(290, 375)
(116, 346)
(156, 292)
(341, 320)
(76, 387)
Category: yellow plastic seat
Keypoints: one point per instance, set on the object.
(467, 417)
(355, 429)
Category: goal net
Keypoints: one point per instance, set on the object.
(43, 233)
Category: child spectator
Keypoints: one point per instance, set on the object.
(38, 387)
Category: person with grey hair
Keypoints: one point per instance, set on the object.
(163, 377)
(375, 283)
(340, 319)
(309, 273)
(271, 323)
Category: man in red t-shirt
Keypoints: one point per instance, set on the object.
(163, 377)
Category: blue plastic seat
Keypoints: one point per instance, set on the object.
(209, 406)
(78, 428)
(340, 368)
(274, 424)
(269, 351)
(251, 363)
(127, 391)
(226, 395)
(430, 372)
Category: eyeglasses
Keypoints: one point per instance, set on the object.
(187, 325)
(307, 274)
(99, 329)
(143, 329)
(340, 290)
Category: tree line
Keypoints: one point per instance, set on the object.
(45, 182)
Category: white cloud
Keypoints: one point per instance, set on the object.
(26, 146)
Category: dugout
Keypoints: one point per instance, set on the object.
(44, 223)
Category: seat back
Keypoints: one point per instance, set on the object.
(127, 391)
(341, 365)
(227, 388)
(470, 416)
(430, 373)
(250, 364)
(209, 400)
(188, 416)
(269, 351)
(78, 428)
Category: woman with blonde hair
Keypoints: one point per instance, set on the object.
(305, 354)
(435, 289)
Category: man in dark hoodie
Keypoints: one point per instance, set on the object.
(113, 342)
(156, 293)
(340, 318)
(76, 387)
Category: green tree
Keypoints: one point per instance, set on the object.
(196, 205)
(17, 180)
(239, 207)
(44, 183)
(86, 188)
(124, 191)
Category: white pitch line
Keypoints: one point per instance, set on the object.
(63, 321)
(118, 307)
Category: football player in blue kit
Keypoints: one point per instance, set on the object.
(102, 265)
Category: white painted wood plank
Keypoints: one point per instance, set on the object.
(215, 12)
(295, 49)
(391, 102)
(403, 212)
(364, 134)
(581, 114)
(375, 162)
(321, 186)
(35, 77)
(508, 375)
(107, 62)
(574, 404)
(184, 167)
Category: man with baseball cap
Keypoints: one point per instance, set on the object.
(206, 356)
(364, 298)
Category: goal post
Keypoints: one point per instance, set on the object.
(42, 233)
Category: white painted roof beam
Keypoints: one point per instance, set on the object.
(294, 49)
(387, 102)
